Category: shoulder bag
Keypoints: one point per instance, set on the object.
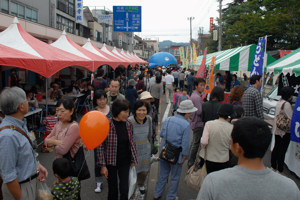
(282, 121)
(170, 152)
(78, 163)
(195, 175)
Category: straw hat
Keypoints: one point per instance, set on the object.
(186, 106)
(146, 95)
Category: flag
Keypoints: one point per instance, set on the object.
(181, 53)
(258, 61)
(210, 77)
(295, 122)
(201, 71)
(194, 54)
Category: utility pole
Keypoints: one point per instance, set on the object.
(220, 26)
(191, 41)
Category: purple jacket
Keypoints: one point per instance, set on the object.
(196, 118)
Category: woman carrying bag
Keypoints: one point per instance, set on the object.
(176, 139)
(282, 137)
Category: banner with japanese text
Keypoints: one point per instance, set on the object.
(181, 53)
(187, 51)
(210, 77)
(201, 71)
(194, 54)
(79, 10)
(258, 61)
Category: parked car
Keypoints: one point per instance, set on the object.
(269, 104)
(270, 101)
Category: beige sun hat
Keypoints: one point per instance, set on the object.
(146, 95)
(186, 106)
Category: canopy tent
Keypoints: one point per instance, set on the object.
(145, 62)
(66, 44)
(237, 59)
(19, 49)
(287, 64)
(163, 59)
(92, 48)
(117, 52)
(142, 62)
(108, 51)
(122, 52)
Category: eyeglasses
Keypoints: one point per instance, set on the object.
(60, 110)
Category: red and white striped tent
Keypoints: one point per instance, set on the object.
(117, 52)
(19, 49)
(108, 51)
(145, 62)
(122, 52)
(92, 48)
(66, 44)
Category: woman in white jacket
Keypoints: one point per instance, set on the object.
(282, 139)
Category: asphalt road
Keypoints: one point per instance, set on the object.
(184, 193)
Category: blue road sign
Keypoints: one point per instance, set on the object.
(127, 18)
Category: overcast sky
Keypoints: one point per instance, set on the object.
(167, 19)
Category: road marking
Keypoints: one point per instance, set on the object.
(166, 112)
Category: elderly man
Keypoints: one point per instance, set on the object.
(19, 168)
(114, 93)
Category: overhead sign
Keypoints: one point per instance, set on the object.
(127, 18)
(79, 10)
(105, 19)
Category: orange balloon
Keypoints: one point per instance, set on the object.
(93, 129)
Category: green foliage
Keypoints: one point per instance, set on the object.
(245, 21)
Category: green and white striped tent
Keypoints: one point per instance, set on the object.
(287, 64)
(237, 59)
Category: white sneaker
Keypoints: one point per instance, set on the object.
(98, 188)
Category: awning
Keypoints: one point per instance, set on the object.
(108, 51)
(92, 48)
(287, 64)
(66, 44)
(237, 59)
(117, 52)
(20, 49)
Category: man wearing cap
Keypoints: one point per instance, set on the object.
(176, 130)
(19, 168)
(113, 92)
(131, 94)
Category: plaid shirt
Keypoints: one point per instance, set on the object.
(107, 151)
(252, 103)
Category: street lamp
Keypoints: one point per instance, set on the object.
(191, 49)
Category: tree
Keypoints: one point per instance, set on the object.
(245, 21)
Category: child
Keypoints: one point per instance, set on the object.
(176, 96)
(66, 187)
(50, 122)
(183, 96)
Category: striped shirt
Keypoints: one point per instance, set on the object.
(50, 122)
(107, 151)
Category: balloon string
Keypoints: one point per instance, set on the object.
(86, 155)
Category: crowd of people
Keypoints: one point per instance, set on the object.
(230, 138)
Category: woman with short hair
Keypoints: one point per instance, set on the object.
(235, 96)
(142, 131)
(118, 152)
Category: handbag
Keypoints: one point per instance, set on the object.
(79, 165)
(195, 176)
(282, 121)
(170, 152)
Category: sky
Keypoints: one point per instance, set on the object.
(168, 19)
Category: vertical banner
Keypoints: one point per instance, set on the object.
(258, 61)
(201, 70)
(292, 156)
(181, 53)
(194, 54)
(79, 10)
(210, 77)
(187, 52)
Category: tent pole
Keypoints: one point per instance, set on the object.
(46, 97)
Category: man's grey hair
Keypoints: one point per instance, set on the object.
(10, 99)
